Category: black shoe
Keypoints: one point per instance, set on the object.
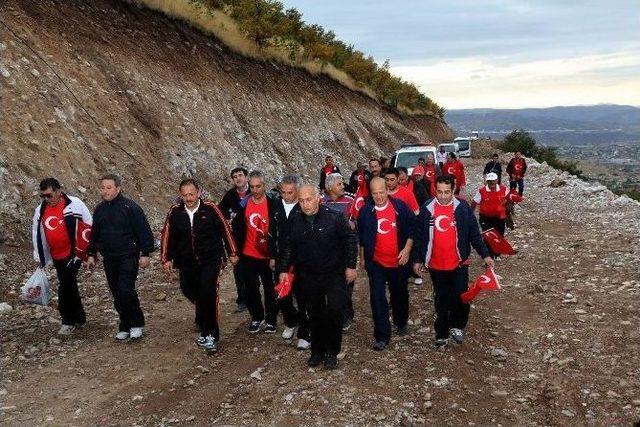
(270, 329)
(379, 345)
(331, 362)
(255, 326)
(441, 342)
(346, 325)
(401, 332)
(315, 359)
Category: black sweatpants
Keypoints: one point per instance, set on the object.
(304, 332)
(200, 285)
(487, 222)
(450, 311)
(325, 297)
(240, 287)
(254, 272)
(69, 301)
(349, 313)
(396, 279)
(121, 274)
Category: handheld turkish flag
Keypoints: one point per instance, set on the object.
(83, 237)
(362, 192)
(488, 281)
(283, 289)
(497, 243)
(514, 197)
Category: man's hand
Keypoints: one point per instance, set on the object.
(489, 262)
(350, 274)
(168, 268)
(272, 264)
(417, 268)
(90, 263)
(234, 259)
(144, 261)
(282, 277)
(403, 257)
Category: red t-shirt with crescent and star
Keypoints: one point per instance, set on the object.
(256, 216)
(444, 252)
(55, 231)
(386, 250)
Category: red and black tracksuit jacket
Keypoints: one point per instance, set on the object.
(208, 241)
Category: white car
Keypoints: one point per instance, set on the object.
(408, 155)
(464, 146)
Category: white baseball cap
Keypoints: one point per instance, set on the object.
(491, 176)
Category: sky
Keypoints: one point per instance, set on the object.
(497, 53)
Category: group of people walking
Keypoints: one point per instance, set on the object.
(395, 225)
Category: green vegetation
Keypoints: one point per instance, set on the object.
(267, 24)
(520, 140)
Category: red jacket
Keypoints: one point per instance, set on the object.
(492, 202)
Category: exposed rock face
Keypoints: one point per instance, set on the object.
(166, 101)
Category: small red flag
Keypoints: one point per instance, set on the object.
(514, 196)
(497, 243)
(83, 237)
(488, 281)
(362, 192)
(283, 289)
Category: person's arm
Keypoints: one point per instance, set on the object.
(92, 250)
(475, 238)
(487, 168)
(419, 235)
(323, 177)
(166, 245)
(229, 242)
(34, 235)
(225, 205)
(142, 230)
(510, 167)
(477, 198)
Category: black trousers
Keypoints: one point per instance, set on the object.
(396, 279)
(240, 287)
(325, 297)
(254, 272)
(200, 284)
(69, 301)
(517, 183)
(304, 331)
(121, 274)
(487, 222)
(450, 311)
(348, 313)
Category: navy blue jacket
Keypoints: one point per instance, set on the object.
(468, 233)
(368, 227)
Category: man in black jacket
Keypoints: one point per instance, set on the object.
(494, 166)
(322, 249)
(252, 230)
(194, 238)
(230, 206)
(360, 176)
(121, 233)
(328, 168)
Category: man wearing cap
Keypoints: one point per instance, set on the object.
(492, 199)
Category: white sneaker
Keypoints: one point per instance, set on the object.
(136, 333)
(417, 281)
(288, 332)
(303, 344)
(457, 335)
(122, 335)
(66, 330)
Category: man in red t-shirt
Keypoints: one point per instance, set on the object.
(516, 169)
(445, 231)
(252, 233)
(385, 230)
(455, 168)
(61, 229)
(493, 201)
(395, 190)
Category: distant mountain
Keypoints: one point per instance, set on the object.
(609, 123)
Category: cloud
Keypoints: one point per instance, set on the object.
(590, 79)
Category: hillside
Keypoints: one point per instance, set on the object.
(149, 97)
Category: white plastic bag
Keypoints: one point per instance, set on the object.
(37, 290)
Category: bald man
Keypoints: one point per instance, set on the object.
(385, 233)
(322, 249)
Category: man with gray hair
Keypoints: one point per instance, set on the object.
(336, 199)
(121, 233)
(322, 248)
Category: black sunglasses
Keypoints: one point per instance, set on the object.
(46, 196)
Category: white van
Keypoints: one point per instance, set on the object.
(408, 155)
(464, 146)
(449, 147)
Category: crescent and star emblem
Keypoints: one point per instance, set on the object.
(439, 226)
(47, 223)
(381, 221)
(85, 235)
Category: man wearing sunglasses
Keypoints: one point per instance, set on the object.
(60, 225)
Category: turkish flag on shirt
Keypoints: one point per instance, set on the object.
(257, 220)
(83, 236)
(497, 243)
(488, 281)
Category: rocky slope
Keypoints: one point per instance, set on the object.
(559, 345)
(90, 87)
